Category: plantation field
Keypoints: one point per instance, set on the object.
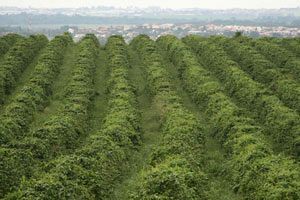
(182, 119)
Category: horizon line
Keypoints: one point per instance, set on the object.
(146, 7)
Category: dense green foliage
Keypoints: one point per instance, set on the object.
(16, 60)
(290, 44)
(99, 162)
(18, 115)
(62, 130)
(263, 71)
(175, 171)
(286, 61)
(193, 118)
(281, 122)
(248, 151)
(7, 41)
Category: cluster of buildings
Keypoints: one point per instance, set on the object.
(252, 30)
(181, 30)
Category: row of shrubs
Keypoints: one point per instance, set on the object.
(92, 170)
(15, 61)
(175, 163)
(286, 61)
(258, 173)
(17, 144)
(19, 112)
(63, 129)
(262, 70)
(8, 41)
(290, 44)
(280, 122)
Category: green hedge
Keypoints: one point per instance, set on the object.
(63, 129)
(290, 44)
(8, 41)
(18, 150)
(19, 56)
(282, 58)
(262, 70)
(281, 122)
(257, 172)
(19, 112)
(93, 170)
(173, 173)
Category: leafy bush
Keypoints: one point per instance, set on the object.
(282, 58)
(7, 41)
(257, 172)
(19, 56)
(93, 169)
(174, 171)
(19, 114)
(263, 71)
(250, 94)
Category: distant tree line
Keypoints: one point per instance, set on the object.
(24, 18)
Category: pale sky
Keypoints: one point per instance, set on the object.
(211, 4)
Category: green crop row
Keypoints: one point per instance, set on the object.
(257, 172)
(282, 58)
(16, 60)
(290, 44)
(92, 171)
(19, 114)
(8, 41)
(280, 122)
(174, 171)
(262, 70)
(62, 130)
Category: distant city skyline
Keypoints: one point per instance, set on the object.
(211, 4)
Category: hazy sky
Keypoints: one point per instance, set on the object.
(212, 4)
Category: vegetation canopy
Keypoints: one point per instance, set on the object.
(208, 118)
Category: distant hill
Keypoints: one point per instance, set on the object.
(111, 15)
